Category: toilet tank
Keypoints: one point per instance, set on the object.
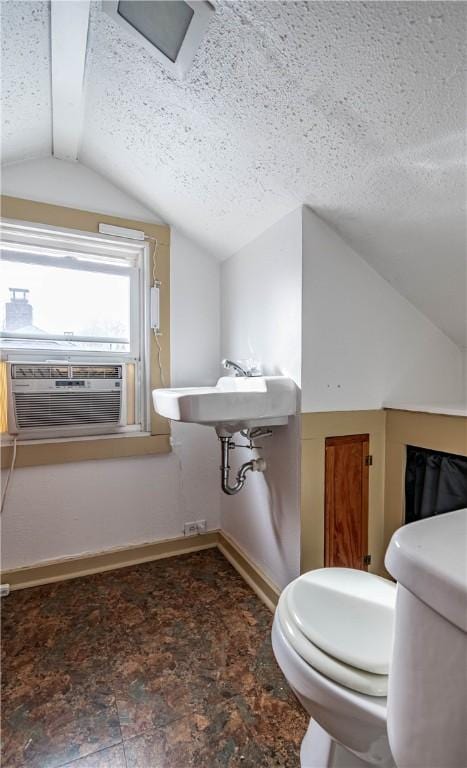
(427, 696)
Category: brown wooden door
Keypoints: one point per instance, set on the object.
(346, 501)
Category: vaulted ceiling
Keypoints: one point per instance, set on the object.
(354, 108)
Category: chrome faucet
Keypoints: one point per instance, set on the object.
(239, 371)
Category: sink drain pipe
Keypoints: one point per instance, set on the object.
(255, 465)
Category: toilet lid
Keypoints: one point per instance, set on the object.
(348, 614)
(350, 677)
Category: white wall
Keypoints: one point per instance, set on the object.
(70, 509)
(261, 318)
(195, 355)
(261, 299)
(345, 335)
(194, 314)
(365, 345)
(48, 180)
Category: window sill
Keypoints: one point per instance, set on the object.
(34, 453)
(6, 439)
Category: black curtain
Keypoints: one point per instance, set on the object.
(435, 482)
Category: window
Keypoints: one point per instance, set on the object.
(77, 298)
(63, 304)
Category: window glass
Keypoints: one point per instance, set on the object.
(85, 309)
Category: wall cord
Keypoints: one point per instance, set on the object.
(9, 476)
(157, 333)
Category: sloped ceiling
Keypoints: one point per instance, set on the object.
(356, 109)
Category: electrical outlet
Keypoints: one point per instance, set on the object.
(190, 529)
(195, 527)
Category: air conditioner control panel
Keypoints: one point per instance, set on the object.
(80, 384)
(65, 385)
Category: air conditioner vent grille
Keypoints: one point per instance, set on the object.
(31, 371)
(96, 371)
(39, 371)
(54, 409)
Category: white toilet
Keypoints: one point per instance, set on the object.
(427, 696)
(333, 636)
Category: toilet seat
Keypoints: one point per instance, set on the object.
(351, 677)
(305, 611)
(347, 613)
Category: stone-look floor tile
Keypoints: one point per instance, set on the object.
(51, 719)
(78, 651)
(173, 655)
(169, 678)
(228, 738)
(217, 740)
(168, 747)
(278, 722)
(58, 705)
(49, 626)
(114, 757)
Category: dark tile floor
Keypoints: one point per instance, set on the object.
(162, 665)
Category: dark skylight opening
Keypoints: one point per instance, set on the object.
(164, 24)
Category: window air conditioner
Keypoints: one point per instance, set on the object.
(65, 400)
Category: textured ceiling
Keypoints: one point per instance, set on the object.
(25, 80)
(354, 108)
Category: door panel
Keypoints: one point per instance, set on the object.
(346, 501)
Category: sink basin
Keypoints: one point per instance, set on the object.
(235, 403)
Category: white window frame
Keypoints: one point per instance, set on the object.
(77, 243)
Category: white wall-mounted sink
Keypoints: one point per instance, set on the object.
(235, 403)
